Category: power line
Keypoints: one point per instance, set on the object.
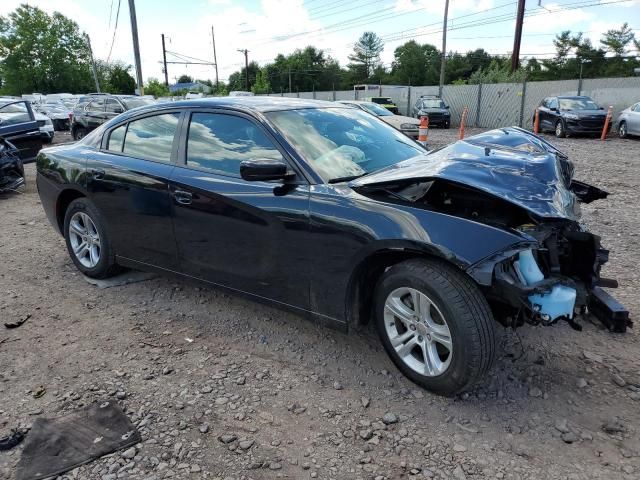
(115, 28)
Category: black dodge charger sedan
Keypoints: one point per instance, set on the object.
(330, 212)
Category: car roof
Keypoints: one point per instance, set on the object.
(573, 96)
(252, 104)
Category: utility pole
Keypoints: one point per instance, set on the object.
(93, 64)
(515, 56)
(136, 46)
(215, 60)
(444, 47)
(289, 78)
(164, 60)
(246, 67)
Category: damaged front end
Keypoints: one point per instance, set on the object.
(516, 181)
(11, 168)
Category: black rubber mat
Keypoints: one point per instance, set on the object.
(55, 446)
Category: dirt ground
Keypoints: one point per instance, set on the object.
(223, 388)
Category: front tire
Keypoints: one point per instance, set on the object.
(561, 131)
(622, 130)
(87, 240)
(435, 324)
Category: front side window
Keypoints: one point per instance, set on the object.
(343, 142)
(376, 109)
(14, 113)
(553, 103)
(220, 142)
(637, 107)
(116, 138)
(151, 138)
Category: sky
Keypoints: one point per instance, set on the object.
(269, 27)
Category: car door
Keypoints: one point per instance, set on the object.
(113, 108)
(19, 126)
(94, 113)
(633, 121)
(250, 236)
(128, 181)
(553, 113)
(543, 114)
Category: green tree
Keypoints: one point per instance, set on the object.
(43, 53)
(155, 88)
(617, 41)
(185, 79)
(261, 84)
(119, 81)
(237, 80)
(366, 54)
(415, 64)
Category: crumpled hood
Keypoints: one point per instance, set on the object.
(509, 163)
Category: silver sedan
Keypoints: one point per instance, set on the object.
(629, 121)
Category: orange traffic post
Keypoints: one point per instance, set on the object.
(536, 121)
(423, 131)
(607, 120)
(462, 122)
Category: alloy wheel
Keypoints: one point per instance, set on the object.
(84, 239)
(418, 331)
(622, 130)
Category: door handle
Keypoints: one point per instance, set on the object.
(182, 197)
(97, 174)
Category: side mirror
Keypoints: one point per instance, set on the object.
(263, 170)
(553, 109)
(118, 110)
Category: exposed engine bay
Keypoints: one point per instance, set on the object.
(11, 168)
(516, 181)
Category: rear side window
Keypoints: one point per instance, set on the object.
(220, 142)
(113, 106)
(116, 139)
(96, 106)
(151, 138)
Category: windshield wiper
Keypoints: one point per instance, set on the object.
(347, 179)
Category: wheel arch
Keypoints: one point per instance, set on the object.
(369, 269)
(65, 198)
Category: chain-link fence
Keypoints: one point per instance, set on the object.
(496, 104)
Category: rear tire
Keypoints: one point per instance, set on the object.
(87, 240)
(450, 305)
(79, 133)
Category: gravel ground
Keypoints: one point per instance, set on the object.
(220, 387)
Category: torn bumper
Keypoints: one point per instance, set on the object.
(522, 288)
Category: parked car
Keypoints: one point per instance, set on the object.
(45, 125)
(407, 125)
(314, 207)
(240, 93)
(18, 126)
(11, 168)
(569, 115)
(95, 109)
(433, 107)
(190, 95)
(628, 122)
(386, 102)
(59, 111)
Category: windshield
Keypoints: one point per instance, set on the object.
(343, 143)
(136, 102)
(578, 104)
(376, 109)
(432, 103)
